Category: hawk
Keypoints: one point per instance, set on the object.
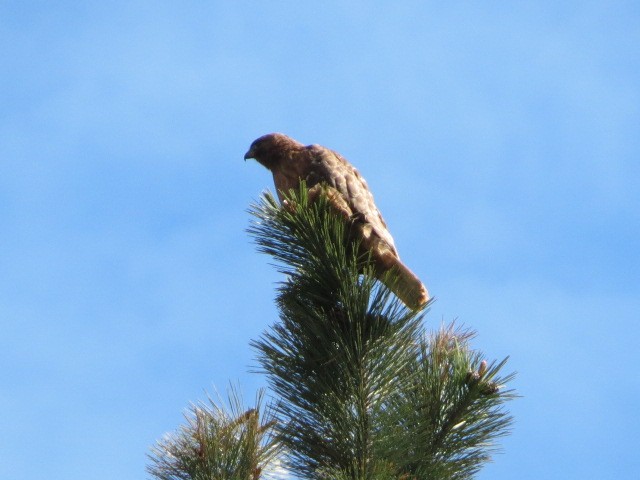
(325, 170)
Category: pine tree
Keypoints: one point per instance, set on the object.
(361, 390)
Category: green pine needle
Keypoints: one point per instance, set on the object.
(363, 392)
(342, 343)
(219, 443)
(448, 418)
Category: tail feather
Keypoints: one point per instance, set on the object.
(406, 285)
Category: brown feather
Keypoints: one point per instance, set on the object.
(290, 162)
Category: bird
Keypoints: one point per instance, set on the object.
(324, 170)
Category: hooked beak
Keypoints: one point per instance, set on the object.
(249, 155)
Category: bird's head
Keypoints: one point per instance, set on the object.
(269, 149)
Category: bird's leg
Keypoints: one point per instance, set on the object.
(314, 192)
(335, 199)
(358, 217)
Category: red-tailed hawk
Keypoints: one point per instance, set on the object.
(291, 161)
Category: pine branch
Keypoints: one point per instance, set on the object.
(448, 420)
(363, 393)
(218, 443)
(342, 343)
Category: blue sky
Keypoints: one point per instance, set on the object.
(501, 142)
